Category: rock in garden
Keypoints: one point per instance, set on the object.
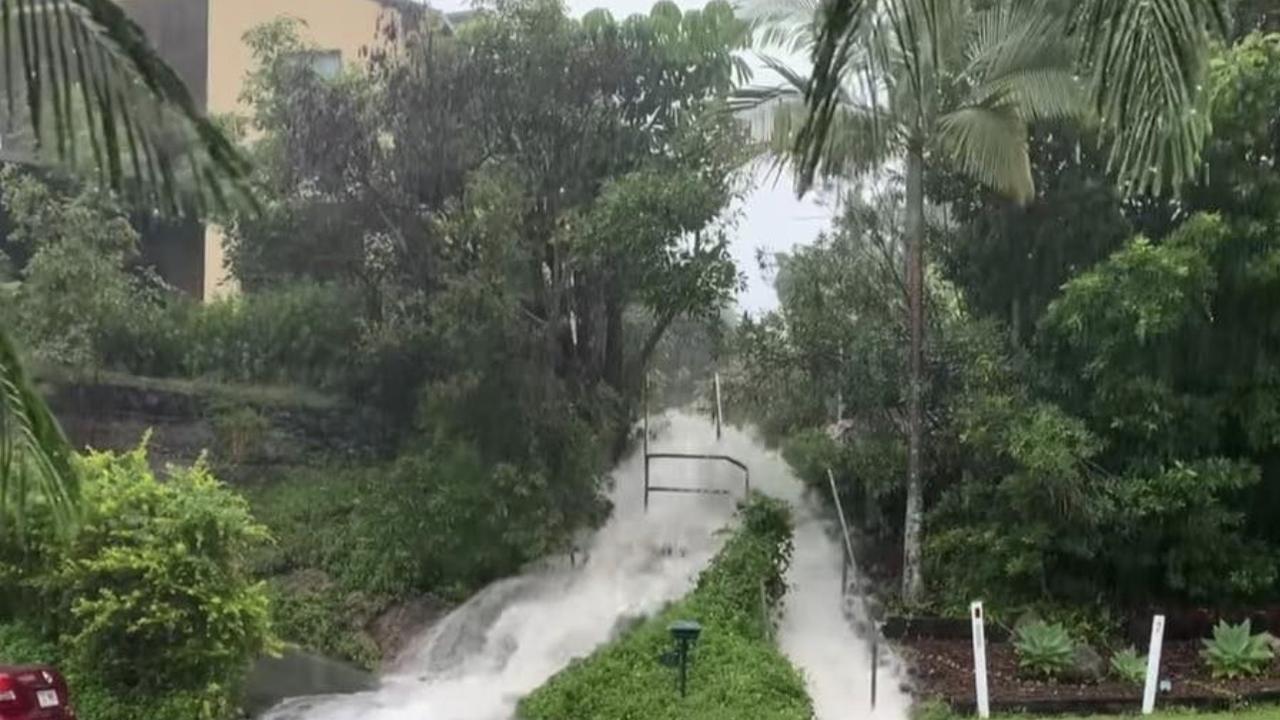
(1087, 666)
(1030, 617)
(1273, 642)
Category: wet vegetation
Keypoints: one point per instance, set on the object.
(1037, 349)
(735, 669)
(1097, 371)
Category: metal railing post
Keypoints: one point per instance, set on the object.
(719, 407)
(646, 483)
(844, 525)
(875, 666)
(849, 562)
(644, 405)
(844, 574)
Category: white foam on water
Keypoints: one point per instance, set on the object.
(510, 638)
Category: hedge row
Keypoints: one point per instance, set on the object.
(736, 672)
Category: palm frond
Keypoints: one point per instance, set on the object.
(1147, 62)
(1018, 55)
(1038, 94)
(860, 137)
(784, 24)
(842, 28)
(990, 145)
(1017, 36)
(93, 93)
(35, 458)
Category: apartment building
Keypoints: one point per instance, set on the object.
(204, 41)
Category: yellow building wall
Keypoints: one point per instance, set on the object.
(344, 25)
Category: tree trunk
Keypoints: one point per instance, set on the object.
(650, 344)
(913, 525)
(613, 341)
(1015, 321)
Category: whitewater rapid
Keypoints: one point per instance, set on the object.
(510, 638)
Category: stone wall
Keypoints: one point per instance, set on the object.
(240, 432)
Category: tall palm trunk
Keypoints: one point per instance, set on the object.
(912, 572)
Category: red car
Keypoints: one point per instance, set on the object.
(34, 692)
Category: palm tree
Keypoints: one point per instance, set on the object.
(923, 82)
(1141, 64)
(1144, 63)
(91, 93)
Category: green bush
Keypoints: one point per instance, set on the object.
(240, 432)
(1234, 651)
(22, 644)
(153, 592)
(1129, 666)
(79, 300)
(74, 288)
(736, 671)
(303, 333)
(1043, 649)
(326, 619)
(441, 520)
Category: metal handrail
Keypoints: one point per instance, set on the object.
(844, 533)
(850, 561)
(648, 488)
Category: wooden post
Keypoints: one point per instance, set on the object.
(1153, 665)
(980, 660)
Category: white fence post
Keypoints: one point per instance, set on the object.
(1153, 665)
(980, 660)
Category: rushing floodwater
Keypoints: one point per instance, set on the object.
(507, 640)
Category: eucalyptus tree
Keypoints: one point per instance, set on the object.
(922, 83)
(84, 89)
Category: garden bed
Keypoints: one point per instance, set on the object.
(943, 668)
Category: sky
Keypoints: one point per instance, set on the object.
(771, 218)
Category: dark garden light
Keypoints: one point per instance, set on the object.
(685, 633)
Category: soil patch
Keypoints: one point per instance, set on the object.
(399, 624)
(944, 669)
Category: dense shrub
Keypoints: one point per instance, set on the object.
(73, 289)
(441, 520)
(154, 587)
(80, 299)
(314, 613)
(736, 671)
(147, 603)
(22, 644)
(304, 333)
